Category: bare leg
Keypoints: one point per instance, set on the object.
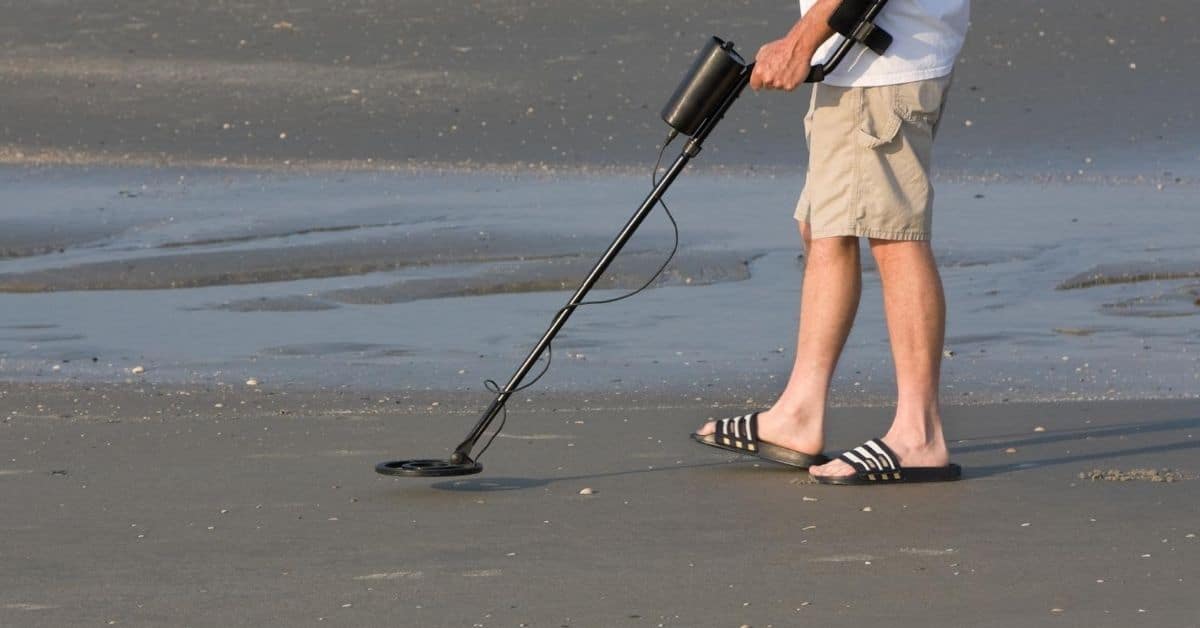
(829, 298)
(916, 318)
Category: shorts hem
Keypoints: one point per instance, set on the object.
(878, 234)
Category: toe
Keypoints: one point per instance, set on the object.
(832, 469)
(707, 428)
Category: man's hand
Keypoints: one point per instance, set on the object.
(781, 64)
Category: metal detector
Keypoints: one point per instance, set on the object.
(716, 79)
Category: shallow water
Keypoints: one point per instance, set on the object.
(414, 282)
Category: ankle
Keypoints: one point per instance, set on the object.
(918, 436)
(800, 416)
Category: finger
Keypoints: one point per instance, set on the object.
(756, 78)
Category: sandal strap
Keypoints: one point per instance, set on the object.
(873, 455)
(740, 432)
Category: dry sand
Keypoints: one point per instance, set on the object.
(1046, 89)
(153, 506)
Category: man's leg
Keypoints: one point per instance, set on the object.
(916, 318)
(829, 301)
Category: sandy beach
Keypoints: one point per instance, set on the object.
(144, 506)
(248, 250)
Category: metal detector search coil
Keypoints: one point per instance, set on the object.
(428, 468)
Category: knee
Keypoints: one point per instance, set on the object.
(834, 247)
(884, 250)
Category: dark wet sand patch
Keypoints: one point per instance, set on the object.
(564, 273)
(628, 272)
(19, 238)
(1077, 331)
(1183, 301)
(275, 304)
(332, 259)
(333, 348)
(1132, 272)
(44, 338)
(270, 235)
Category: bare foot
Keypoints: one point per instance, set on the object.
(911, 452)
(783, 429)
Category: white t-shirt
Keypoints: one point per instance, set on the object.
(927, 36)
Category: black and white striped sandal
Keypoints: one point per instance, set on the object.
(875, 463)
(739, 434)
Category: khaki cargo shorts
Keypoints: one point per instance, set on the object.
(868, 163)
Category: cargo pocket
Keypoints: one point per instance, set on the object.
(921, 103)
(879, 118)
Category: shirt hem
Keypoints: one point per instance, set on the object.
(890, 78)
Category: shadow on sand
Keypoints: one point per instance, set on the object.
(488, 485)
(1077, 435)
(992, 444)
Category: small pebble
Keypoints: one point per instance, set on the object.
(1010, 450)
(808, 499)
(252, 382)
(137, 370)
(587, 491)
(1039, 429)
(866, 509)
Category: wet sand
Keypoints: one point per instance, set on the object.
(391, 282)
(145, 505)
